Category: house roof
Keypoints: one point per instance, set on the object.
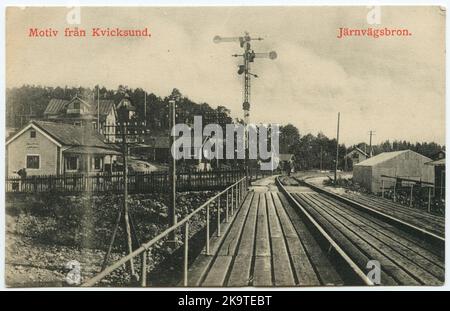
(66, 134)
(382, 157)
(357, 149)
(126, 102)
(58, 106)
(91, 150)
(72, 135)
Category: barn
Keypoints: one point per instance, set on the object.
(405, 163)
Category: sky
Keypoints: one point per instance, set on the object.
(394, 86)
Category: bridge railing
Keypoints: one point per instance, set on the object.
(233, 194)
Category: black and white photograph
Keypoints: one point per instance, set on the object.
(224, 147)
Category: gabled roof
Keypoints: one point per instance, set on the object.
(357, 149)
(125, 101)
(59, 106)
(382, 157)
(105, 106)
(66, 134)
(56, 106)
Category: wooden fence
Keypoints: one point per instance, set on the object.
(138, 182)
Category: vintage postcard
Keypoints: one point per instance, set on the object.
(277, 146)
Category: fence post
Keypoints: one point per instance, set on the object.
(144, 268)
(189, 180)
(411, 196)
(34, 184)
(236, 201)
(382, 188)
(207, 229)
(231, 202)
(238, 195)
(226, 208)
(218, 216)
(186, 253)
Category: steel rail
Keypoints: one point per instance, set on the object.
(435, 239)
(352, 266)
(144, 247)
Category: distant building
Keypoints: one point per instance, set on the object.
(155, 147)
(126, 103)
(439, 176)
(49, 148)
(439, 155)
(286, 160)
(355, 156)
(100, 115)
(405, 163)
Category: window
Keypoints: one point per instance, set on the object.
(32, 134)
(33, 161)
(98, 163)
(72, 163)
(76, 105)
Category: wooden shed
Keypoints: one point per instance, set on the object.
(405, 164)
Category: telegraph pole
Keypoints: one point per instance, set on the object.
(98, 108)
(337, 150)
(248, 56)
(125, 194)
(371, 133)
(173, 170)
(145, 107)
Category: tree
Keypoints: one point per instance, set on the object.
(289, 136)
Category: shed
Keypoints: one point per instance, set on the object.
(439, 174)
(356, 155)
(405, 164)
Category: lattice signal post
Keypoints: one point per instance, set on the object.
(248, 57)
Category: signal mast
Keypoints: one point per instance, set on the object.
(248, 56)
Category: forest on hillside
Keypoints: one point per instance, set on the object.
(29, 102)
(311, 151)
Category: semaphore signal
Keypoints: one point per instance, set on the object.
(248, 57)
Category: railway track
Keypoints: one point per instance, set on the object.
(407, 254)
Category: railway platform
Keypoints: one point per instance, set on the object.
(266, 245)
